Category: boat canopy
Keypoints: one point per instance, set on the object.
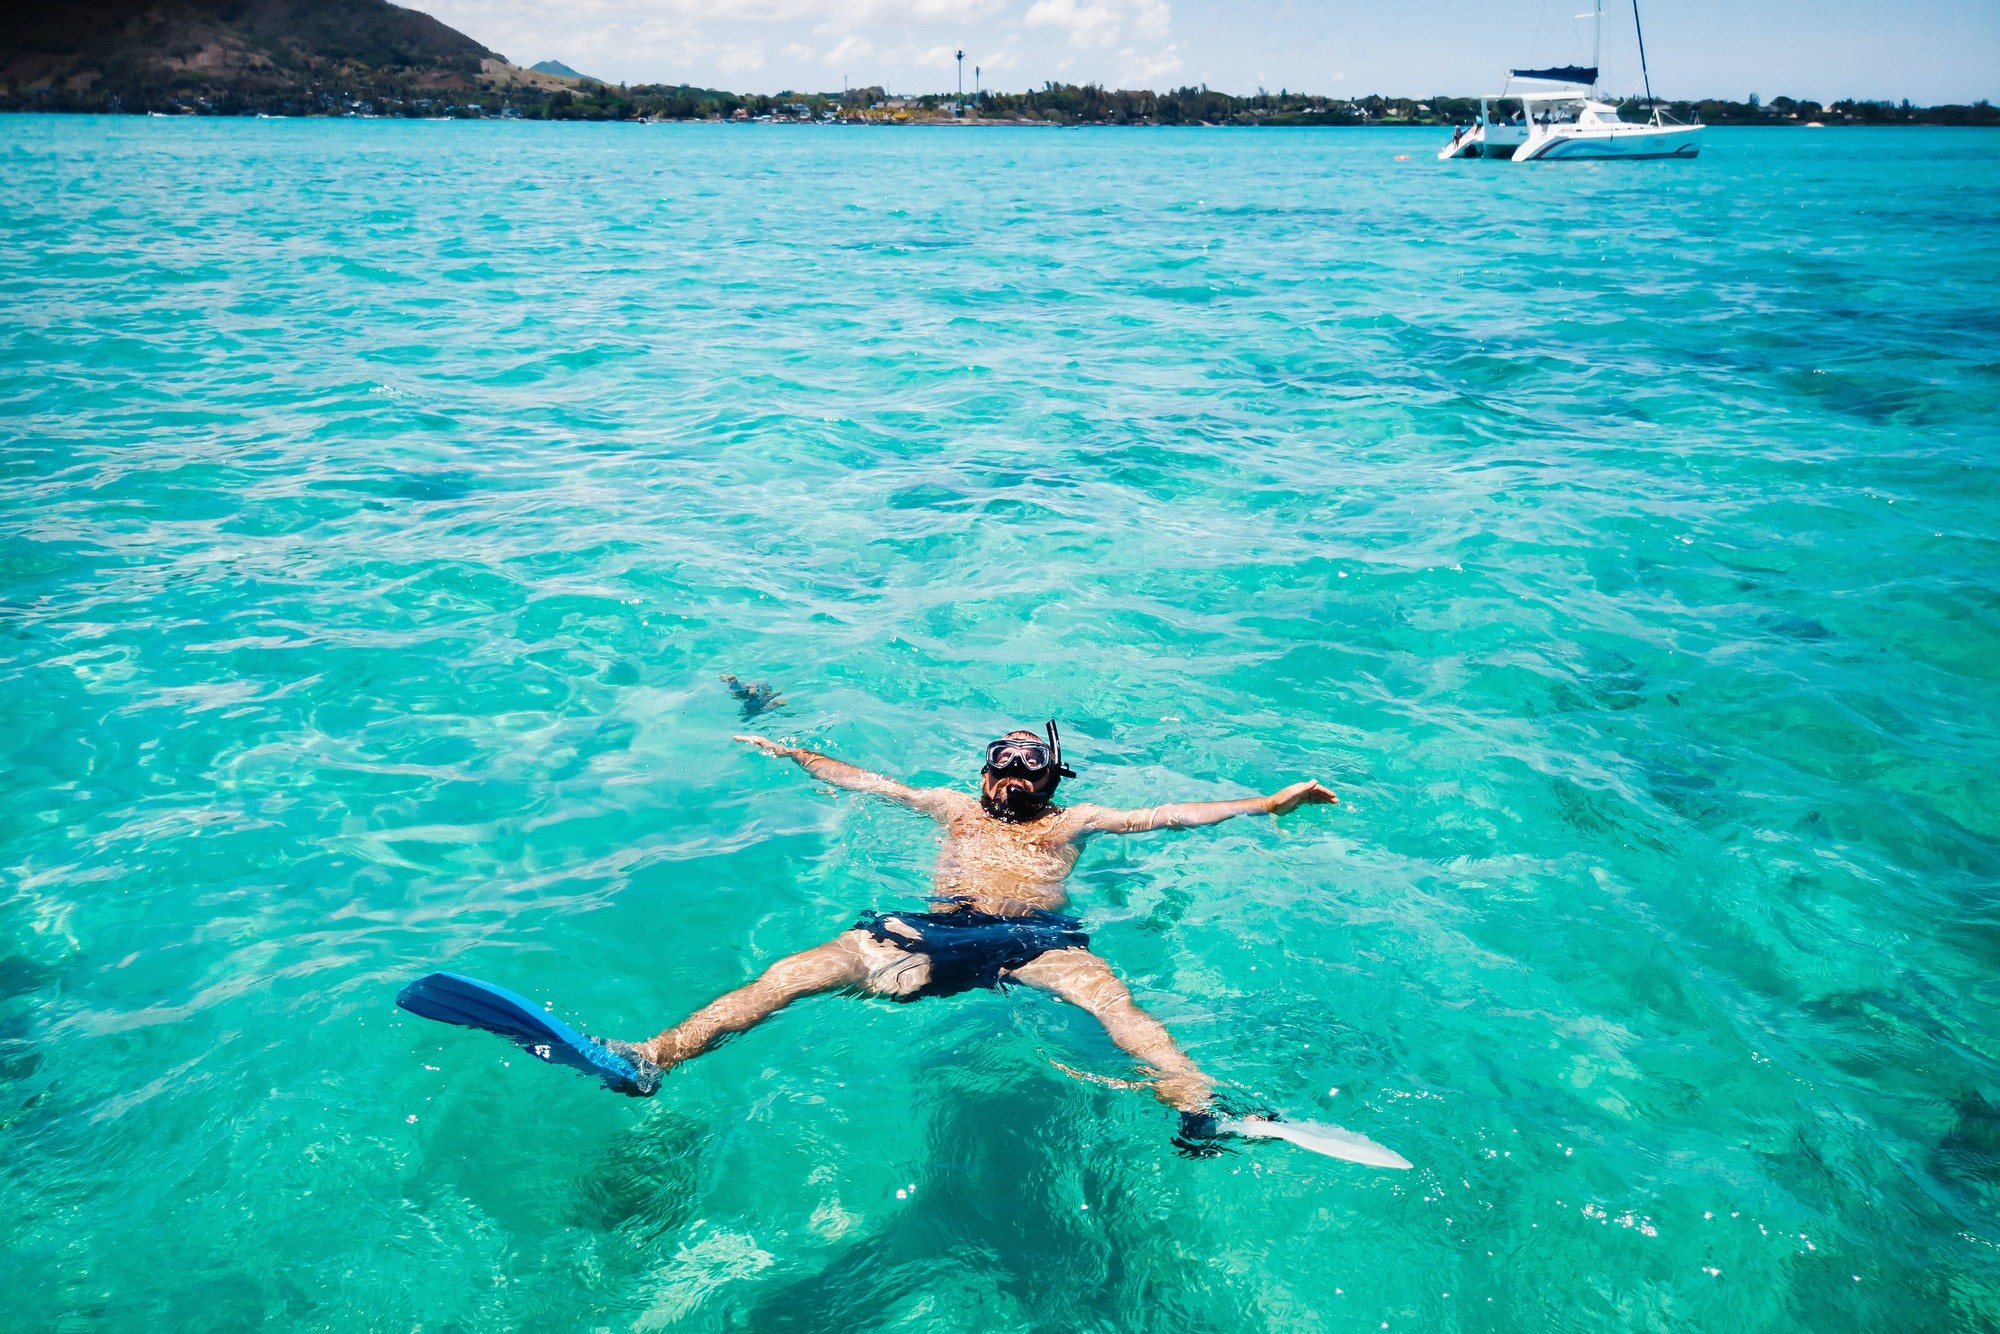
(1571, 92)
(1583, 74)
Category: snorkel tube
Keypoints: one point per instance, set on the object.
(1055, 753)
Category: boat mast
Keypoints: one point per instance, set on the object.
(1640, 29)
(1597, 37)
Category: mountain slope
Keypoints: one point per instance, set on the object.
(161, 54)
(556, 67)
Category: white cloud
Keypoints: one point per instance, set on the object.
(1147, 71)
(1005, 58)
(1100, 23)
(840, 13)
(936, 57)
(1087, 24)
(905, 45)
(741, 59)
(850, 50)
(578, 22)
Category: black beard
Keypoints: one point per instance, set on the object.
(1017, 806)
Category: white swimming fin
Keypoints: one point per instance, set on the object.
(1318, 1137)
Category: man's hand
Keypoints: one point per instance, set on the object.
(768, 746)
(1309, 793)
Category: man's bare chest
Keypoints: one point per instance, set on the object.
(1041, 850)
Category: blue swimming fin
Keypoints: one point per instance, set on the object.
(453, 998)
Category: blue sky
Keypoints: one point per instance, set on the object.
(1928, 50)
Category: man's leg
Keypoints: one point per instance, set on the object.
(1081, 978)
(843, 961)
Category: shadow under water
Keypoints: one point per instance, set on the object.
(1016, 1223)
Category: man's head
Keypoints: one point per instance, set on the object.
(1021, 774)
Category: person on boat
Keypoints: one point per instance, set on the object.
(997, 913)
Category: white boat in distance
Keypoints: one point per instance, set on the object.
(1562, 120)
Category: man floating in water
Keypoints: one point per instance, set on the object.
(998, 895)
(997, 898)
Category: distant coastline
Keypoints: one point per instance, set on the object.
(370, 58)
(502, 91)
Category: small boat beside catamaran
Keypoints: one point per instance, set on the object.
(1561, 118)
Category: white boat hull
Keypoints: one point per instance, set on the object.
(1615, 142)
(1485, 141)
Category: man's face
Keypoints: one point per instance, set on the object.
(1012, 786)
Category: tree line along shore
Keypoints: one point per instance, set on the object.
(373, 58)
(383, 93)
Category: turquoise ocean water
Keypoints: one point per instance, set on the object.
(383, 500)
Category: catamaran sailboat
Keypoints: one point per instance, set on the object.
(1562, 120)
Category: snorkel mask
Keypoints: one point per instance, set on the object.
(1036, 766)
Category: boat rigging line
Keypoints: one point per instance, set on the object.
(1643, 71)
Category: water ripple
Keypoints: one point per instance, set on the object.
(383, 501)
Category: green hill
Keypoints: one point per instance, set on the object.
(561, 70)
(274, 55)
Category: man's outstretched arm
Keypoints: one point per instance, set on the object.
(852, 777)
(1193, 814)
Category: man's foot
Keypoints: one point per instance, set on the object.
(646, 1079)
(1202, 1134)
